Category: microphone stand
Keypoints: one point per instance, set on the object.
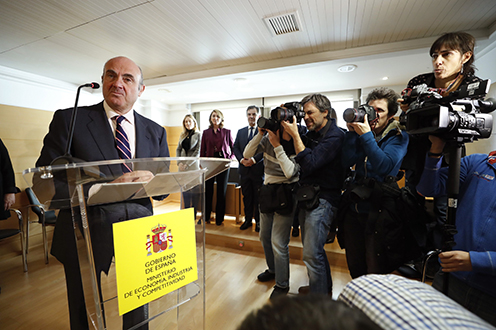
(67, 158)
(453, 189)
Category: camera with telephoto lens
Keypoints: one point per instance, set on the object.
(286, 112)
(352, 115)
(457, 116)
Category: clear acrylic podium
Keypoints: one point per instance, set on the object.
(81, 190)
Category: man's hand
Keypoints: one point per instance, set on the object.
(437, 144)
(455, 261)
(247, 162)
(274, 138)
(359, 128)
(291, 128)
(404, 107)
(8, 201)
(136, 176)
(182, 166)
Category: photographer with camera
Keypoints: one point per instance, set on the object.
(276, 202)
(453, 67)
(375, 146)
(471, 265)
(318, 153)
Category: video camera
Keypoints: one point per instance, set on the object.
(456, 116)
(286, 112)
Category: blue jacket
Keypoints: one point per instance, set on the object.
(384, 157)
(475, 215)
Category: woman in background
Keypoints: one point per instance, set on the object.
(216, 142)
(189, 146)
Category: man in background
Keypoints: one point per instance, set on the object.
(250, 170)
(108, 130)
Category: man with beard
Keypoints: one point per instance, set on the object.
(318, 154)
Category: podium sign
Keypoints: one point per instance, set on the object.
(138, 270)
(154, 256)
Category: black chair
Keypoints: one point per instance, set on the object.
(45, 218)
(9, 232)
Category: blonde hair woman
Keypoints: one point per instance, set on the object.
(189, 146)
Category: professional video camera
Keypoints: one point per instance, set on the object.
(456, 116)
(352, 115)
(286, 112)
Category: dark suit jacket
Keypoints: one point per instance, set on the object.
(94, 141)
(7, 179)
(238, 148)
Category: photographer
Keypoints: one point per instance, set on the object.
(452, 62)
(471, 264)
(276, 203)
(321, 180)
(376, 149)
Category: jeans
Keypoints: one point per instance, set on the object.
(275, 232)
(315, 225)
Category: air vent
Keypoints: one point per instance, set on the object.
(283, 24)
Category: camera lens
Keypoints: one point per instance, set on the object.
(352, 115)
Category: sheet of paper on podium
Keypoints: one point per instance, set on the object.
(113, 192)
(161, 184)
(168, 183)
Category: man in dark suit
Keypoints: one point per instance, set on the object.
(95, 140)
(250, 170)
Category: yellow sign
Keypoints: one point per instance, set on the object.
(154, 256)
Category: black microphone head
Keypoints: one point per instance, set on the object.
(487, 106)
(93, 85)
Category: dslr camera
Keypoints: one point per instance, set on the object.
(352, 115)
(286, 112)
(457, 116)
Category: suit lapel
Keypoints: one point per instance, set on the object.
(244, 137)
(142, 137)
(101, 133)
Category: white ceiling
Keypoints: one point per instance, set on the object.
(193, 50)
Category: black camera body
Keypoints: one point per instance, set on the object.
(352, 115)
(286, 112)
(455, 116)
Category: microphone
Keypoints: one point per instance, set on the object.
(487, 106)
(67, 158)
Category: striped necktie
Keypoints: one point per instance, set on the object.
(122, 143)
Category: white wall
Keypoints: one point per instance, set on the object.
(23, 89)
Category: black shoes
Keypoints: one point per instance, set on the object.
(247, 224)
(303, 290)
(266, 276)
(257, 227)
(278, 292)
(295, 232)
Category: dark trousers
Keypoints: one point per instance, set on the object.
(101, 219)
(220, 208)
(476, 301)
(191, 198)
(250, 188)
(77, 306)
(360, 254)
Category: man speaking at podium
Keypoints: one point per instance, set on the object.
(104, 131)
